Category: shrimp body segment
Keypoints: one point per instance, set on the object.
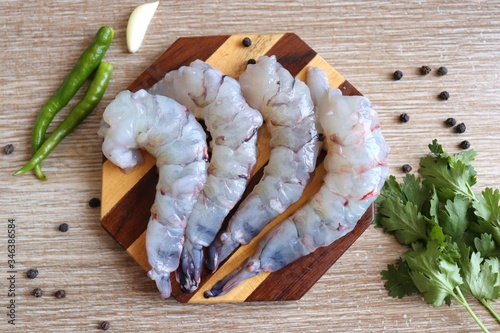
(233, 126)
(168, 131)
(289, 114)
(356, 165)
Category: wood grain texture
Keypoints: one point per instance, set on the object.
(127, 217)
(366, 41)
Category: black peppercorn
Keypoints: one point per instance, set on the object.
(32, 273)
(424, 70)
(94, 202)
(444, 95)
(460, 128)
(246, 42)
(60, 294)
(404, 117)
(63, 227)
(37, 292)
(442, 71)
(450, 122)
(251, 62)
(397, 75)
(8, 149)
(406, 168)
(465, 144)
(105, 325)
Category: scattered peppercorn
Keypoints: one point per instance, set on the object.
(424, 70)
(8, 149)
(444, 95)
(460, 128)
(397, 75)
(404, 117)
(247, 42)
(442, 71)
(94, 202)
(63, 227)
(450, 122)
(251, 62)
(465, 144)
(406, 168)
(60, 294)
(37, 292)
(32, 273)
(105, 325)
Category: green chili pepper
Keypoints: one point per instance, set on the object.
(85, 66)
(92, 97)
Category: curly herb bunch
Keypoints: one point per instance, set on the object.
(453, 235)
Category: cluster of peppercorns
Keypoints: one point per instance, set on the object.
(424, 70)
(33, 273)
(443, 95)
(38, 292)
(247, 42)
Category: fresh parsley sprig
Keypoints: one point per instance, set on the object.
(453, 235)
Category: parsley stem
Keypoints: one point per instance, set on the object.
(471, 193)
(487, 305)
(461, 299)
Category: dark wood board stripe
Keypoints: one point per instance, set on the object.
(348, 89)
(182, 52)
(117, 221)
(292, 53)
(300, 269)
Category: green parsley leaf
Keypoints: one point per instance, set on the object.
(486, 245)
(487, 209)
(433, 274)
(481, 278)
(414, 192)
(399, 282)
(404, 220)
(435, 232)
(454, 218)
(447, 179)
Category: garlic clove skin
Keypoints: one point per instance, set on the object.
(138, 23)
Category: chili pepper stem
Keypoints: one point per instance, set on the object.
(39, 173)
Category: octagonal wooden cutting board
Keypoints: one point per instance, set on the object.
(127, 198)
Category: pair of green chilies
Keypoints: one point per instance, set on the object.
(88, 63)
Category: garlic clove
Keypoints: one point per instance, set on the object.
(138, 23)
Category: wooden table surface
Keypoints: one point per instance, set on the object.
(366, 41)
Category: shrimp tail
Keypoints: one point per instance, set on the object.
(188, 273)
(250, 268)
(162, 283)
(220, 249)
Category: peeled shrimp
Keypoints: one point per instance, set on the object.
(288, 110)
(356, 165)
(168, 131)
(233, 125)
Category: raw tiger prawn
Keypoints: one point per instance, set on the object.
(169, 132)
